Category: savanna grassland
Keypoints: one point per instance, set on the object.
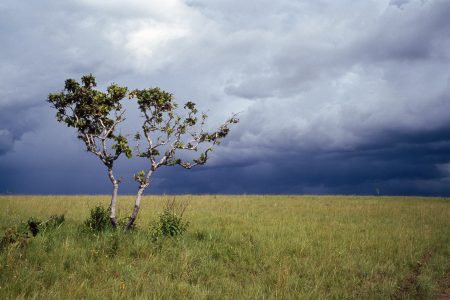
(236, 247)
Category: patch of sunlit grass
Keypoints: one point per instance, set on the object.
(287, 247)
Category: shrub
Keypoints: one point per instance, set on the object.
(35, 225)
(98, 219)
(170, 222)
(13, 236)
(20, 234)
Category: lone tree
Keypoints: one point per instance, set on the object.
(95, 115)
(168, 134)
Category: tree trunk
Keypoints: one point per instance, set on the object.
(112, 207)
(137, 205)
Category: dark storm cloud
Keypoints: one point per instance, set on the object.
(336, 97)
(15, 120)
(406, 166)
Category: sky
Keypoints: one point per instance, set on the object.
(335, 97)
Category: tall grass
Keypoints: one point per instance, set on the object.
(241, 247)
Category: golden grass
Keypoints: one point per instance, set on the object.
(236, 247)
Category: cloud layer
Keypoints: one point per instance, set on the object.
(336, 97)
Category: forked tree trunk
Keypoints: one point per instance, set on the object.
(137, 205)
(112, 207)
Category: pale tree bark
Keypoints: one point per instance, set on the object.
(112, 207)
(137, 205)
(95, 115)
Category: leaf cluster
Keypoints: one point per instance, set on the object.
(167, 131)
(94, 114)
(82, 107)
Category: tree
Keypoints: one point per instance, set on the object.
(95, 115)
(168, 133)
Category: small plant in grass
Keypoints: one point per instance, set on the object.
(98, 219)
(13, 236)
(170, 222)
(21, 234)
(56, 220)
(35, 226)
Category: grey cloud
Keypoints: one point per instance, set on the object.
(6, 141)
(410, 163)
(418, 31)
(16, 120)
(337, 97)
(343, 90)
(43, 44)
(399, 3)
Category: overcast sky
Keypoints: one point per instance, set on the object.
(337, 97)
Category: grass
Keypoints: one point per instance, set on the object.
(236, 247)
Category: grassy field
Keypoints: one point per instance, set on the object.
(236, 247)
